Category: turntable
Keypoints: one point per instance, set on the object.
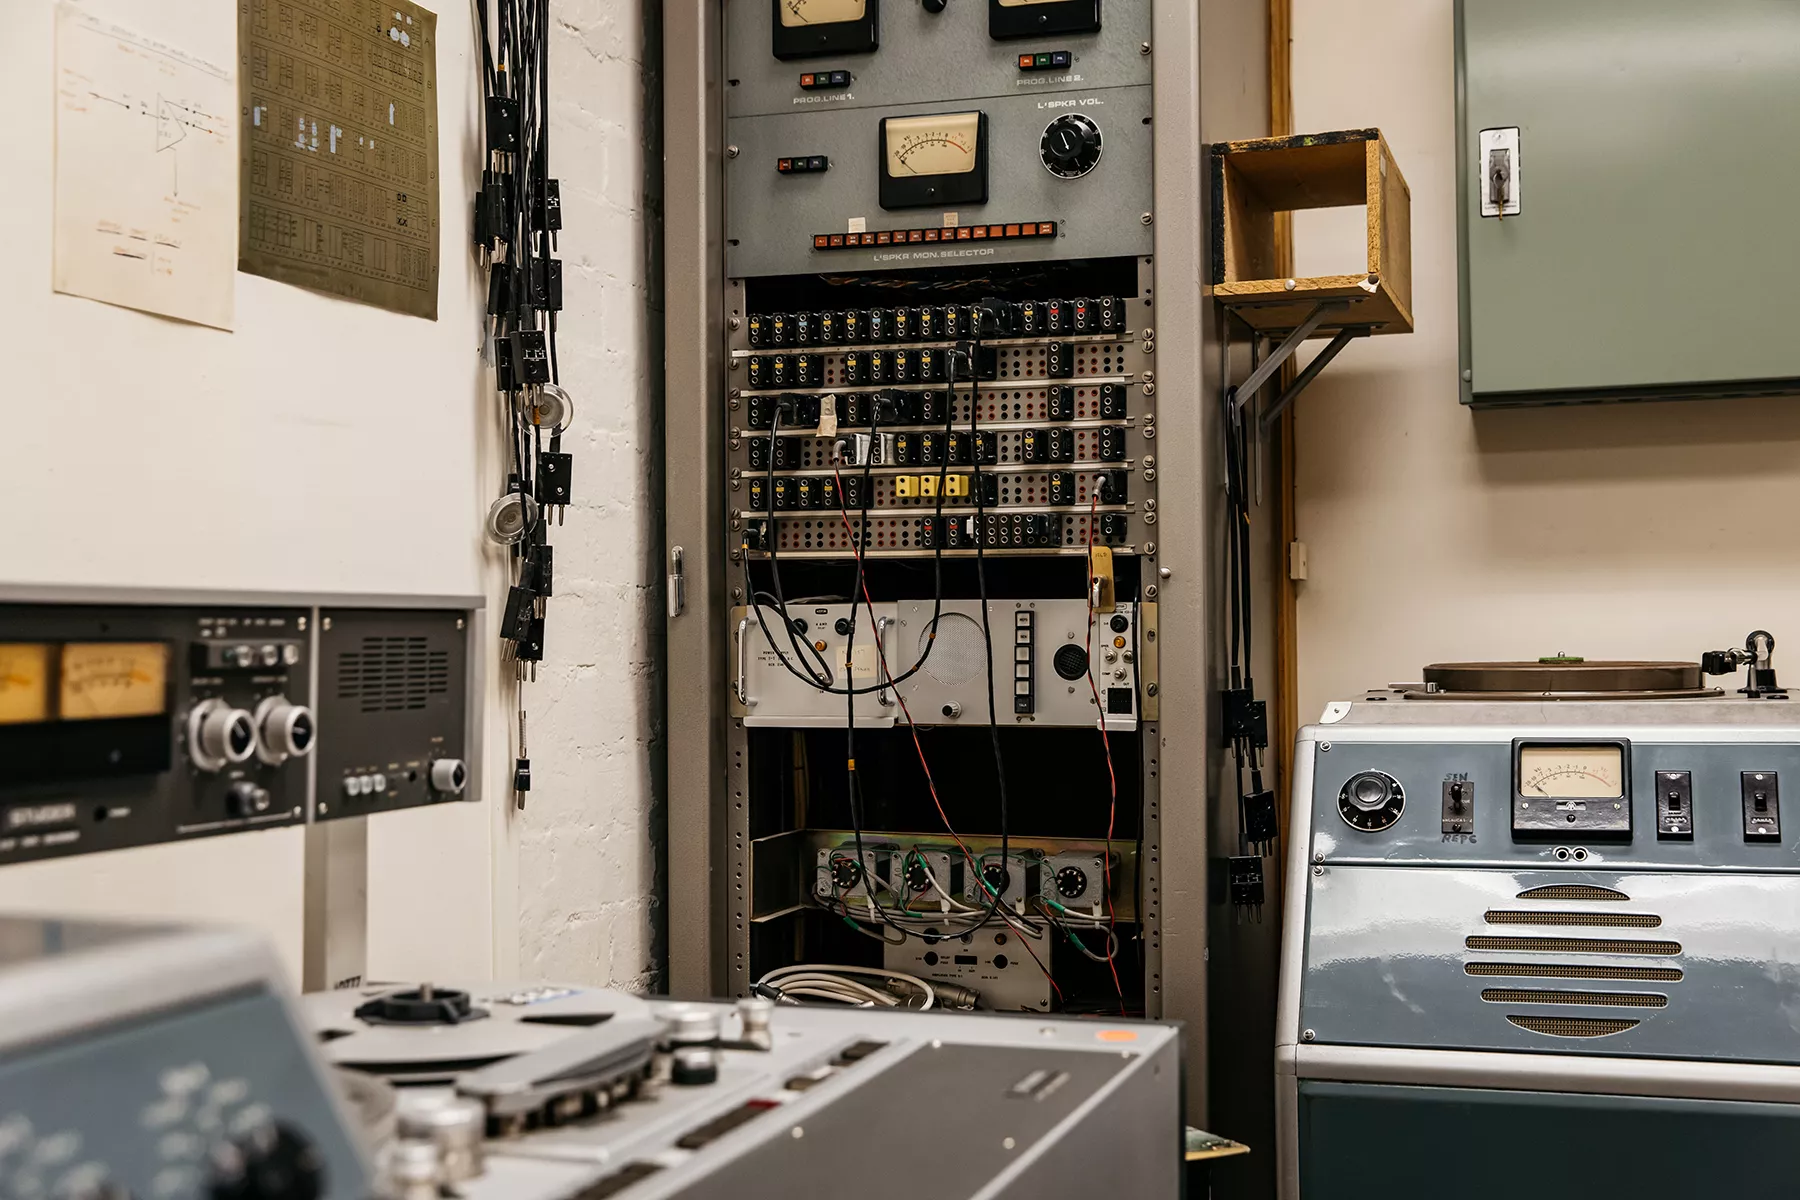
(1544, 908)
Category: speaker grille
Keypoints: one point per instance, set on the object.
(1574, 1027)
(392, 674)
(1572, 971)
(1551, 996)
(1571, 891)
(1561, 945)
(1509, 916)
(960, 653)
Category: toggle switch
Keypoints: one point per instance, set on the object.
(1762, 806)
(1674, 804)
(1458, 808)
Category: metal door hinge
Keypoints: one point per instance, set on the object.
(677, 582)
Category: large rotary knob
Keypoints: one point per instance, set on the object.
(1371, 800)
(219, 735)
(1071, 146)
(284, 730)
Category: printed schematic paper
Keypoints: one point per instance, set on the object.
(146, 173)
(338, 100)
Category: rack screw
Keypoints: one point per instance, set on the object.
(1307, 1035)
(1146, 218)
(1143, 47)
(731, 152)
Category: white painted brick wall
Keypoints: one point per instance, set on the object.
(587, 867)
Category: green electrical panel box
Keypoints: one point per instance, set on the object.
(1629, 199)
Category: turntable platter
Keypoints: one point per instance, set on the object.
(1563, 678)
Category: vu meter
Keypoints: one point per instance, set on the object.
(804, 28)
(934, 160)
(1572, 789)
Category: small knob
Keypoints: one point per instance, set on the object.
(449, 776)
(273, 1162)
(695, 1065)
(455, 1124)
(219, 735)
(933, 6)
(246, 799)
(270, 655)
(284, 730)
(693, 1027)
(755, 1014)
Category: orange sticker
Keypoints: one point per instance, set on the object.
(1117, 1035)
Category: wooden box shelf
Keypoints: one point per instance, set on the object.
(1253, 181)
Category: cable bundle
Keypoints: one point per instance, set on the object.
(517, 215)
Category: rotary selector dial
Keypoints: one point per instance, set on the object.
(219, 735)
(1071, 146)
(1371, 800)
(283, 730)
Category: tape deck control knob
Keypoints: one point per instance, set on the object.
(283, 730)
(219, 735)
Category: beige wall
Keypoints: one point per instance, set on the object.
(326, 446)
(1641, 530)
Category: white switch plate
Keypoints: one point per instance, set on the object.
(1506, 140)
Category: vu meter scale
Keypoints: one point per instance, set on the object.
(820, 12)
(1582, 772)
(941, 145)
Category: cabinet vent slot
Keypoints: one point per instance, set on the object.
(1550, 996)
(1571, 891)
(1572, 971)
(1573, 1027)
(1565, 945)
(1501, 916)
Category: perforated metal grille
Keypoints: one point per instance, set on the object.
(1572, 971)
(1500, 916)
(1571, 891)
(1549, 996)
(1574, 1027)
(1560, 945)
(392, 674)
(960, 653)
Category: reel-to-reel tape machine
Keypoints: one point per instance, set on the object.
(171, 1063)
(544, 1092)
